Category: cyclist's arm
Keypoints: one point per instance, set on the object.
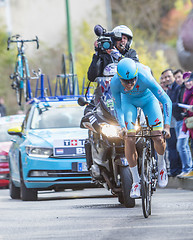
(116, 94)
(161, 95)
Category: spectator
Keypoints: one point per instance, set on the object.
(163, 83)
(182, 138)
(188, 99)
(2, 108)
(173, 155)
(178, 75)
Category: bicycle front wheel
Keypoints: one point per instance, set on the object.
(146, 169)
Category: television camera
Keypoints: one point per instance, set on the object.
(106, 40)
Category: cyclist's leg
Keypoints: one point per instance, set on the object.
(130, 114)
(153, 111)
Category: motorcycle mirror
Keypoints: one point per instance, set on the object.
(82, 102)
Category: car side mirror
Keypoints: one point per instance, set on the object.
(15, 131)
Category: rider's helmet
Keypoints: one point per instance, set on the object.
(127, 69)
(125, 31)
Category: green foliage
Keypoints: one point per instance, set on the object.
(6, 56)
(157, 61)
(84, 51)
(179, 4)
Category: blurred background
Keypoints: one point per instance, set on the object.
(155, 26)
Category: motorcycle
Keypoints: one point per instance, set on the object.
(104, 148)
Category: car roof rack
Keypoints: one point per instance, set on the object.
(55, 98)
(41, 91)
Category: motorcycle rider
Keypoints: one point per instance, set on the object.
(134, 86)
(120, 50)
(101, 60)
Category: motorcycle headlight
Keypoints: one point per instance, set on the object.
(110, 130)
(137, 127)
(38, 151)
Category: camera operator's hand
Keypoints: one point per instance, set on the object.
(96, 45)
(115, 54)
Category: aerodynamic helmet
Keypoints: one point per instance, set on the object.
(125, 31)
(127, 69)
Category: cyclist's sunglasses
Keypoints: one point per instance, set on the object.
(130, 81)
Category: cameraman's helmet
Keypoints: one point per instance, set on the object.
(127, 69)
(125, 31)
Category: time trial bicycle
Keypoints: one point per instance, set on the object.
(147, 163)
(21, 76)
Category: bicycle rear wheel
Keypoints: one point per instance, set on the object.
(20, 87)
(17, 83)
(146, 193)
(17, 90)
(26, 81)
(20, 92)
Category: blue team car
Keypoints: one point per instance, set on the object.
(48, 150)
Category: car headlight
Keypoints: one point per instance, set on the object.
(38, 151)
(110, 130)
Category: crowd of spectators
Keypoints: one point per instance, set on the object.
(179, 87)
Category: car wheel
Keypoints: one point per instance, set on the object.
(14, 191)
(27, 194)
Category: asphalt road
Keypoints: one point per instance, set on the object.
(95, 214)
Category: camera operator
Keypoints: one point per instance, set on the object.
(121, 49)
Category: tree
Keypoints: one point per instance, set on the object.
(142, 14)
(84, 51)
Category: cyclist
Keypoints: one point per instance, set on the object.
(134, 86)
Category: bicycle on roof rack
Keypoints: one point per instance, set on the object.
(21, 76)
(147, 164)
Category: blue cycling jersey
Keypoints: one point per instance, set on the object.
(145, 94)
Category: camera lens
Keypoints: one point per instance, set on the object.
(106, 45)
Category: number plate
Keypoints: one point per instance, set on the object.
(82, 167)
(69, 151)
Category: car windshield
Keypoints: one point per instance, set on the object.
(58, 116)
